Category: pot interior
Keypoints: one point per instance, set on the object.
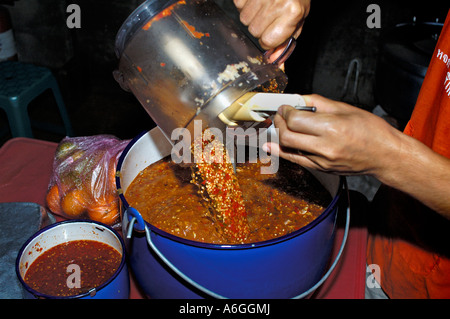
(153, 145)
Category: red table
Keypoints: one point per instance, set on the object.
(25, 170)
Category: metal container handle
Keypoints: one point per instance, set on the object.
(136, 220)
(118, 76)
(288, 49)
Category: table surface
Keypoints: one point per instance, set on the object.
(26, 167)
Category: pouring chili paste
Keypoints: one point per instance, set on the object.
(218, 184)
(276, 204)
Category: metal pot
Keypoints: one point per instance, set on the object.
(167, 266)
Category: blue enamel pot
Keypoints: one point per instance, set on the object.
(116, 287)
(167, 266)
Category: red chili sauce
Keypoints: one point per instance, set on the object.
(276, 204)
(49, 275)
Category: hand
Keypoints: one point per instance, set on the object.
(338, 138)
(273, 21)
(343, 139)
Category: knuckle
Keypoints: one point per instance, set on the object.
(295, 9)
(291, 121)
(333, 130)
(254, 29)
(322, 164)
(284, 137)
(323, 167)
(287, 138)
(267, 41)
(239, 3)
(332, 155)
(245, 21)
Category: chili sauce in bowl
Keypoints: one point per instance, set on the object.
(74, 259)
(54, 272)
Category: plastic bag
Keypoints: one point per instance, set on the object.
(83, 179)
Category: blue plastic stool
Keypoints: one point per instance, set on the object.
(20, 83)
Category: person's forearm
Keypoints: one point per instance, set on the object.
(342, 139)
(420, 172)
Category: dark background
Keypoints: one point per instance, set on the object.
(83, 59)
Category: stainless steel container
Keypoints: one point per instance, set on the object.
(186, 60)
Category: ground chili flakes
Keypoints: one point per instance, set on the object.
(214, 174)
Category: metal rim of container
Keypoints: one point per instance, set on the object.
(92, 291)
(138, 218)
(140, 226)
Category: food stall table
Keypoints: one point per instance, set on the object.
(26, 167)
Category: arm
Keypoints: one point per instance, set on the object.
(343, 139)
(273, 21)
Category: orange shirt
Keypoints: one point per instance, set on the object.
(409, 242)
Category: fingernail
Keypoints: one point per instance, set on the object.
(266, 148)
(280, 111)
